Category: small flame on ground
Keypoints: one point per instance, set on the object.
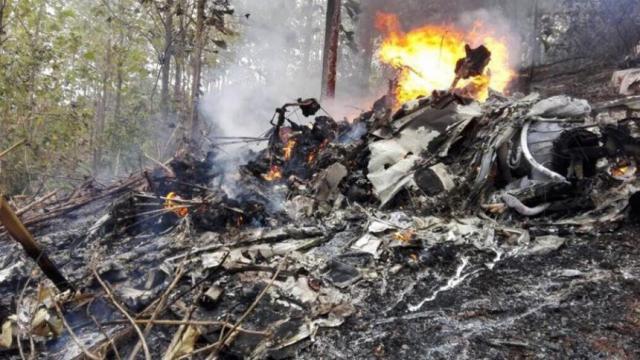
(311, 157)
(405, 236)
(623, 169)
(173, 206)
(426, 58)
(275, 173)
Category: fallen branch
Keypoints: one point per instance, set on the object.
(64, 209)
(13, 147)
(124, 312)
(172, 349)
(224, 324)
(159, 307)
(168, 170)
(103, 332)
(72, 334)
(231, 335)
(36, 203)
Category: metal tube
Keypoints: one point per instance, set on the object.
(535, 164)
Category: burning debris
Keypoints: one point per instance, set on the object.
(353, 226)
(425, 56)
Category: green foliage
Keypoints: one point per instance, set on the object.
(60, 60)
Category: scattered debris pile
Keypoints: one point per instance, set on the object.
(356, 224)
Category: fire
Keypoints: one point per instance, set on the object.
(288, 149)
(311, 157)
(623, 170)
(275, 173)
(405, 236)
(171, 204)
(426, 58)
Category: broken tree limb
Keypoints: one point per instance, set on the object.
(53, 213)
(36, 203)
(13, 147)
(167, 169)
(17, 230)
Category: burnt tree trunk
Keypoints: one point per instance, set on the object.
(330, 54)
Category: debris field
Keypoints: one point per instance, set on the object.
(443, 227)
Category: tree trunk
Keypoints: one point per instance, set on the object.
(179, 60)
(3, 11)
(166, 61)
(535, 43)
(330, 54)
(100, 115)
(194, 127)
(119, 79)
(308, 30)
(365, 35)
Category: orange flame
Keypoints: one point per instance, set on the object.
(405, 236)
(172, 205)
(275, 173)
(311, 157)
(288, 149)
(426, 58)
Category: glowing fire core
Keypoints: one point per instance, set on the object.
(426, 58)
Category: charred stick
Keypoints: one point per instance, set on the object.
(72, 334)
(171, 351)
(124, 312)
(17, 230)
(233, 332)
(56, 212)
(159, 307)
(103, 332)
(36, 203)
(167, 169)
(239, 138)
(223, 324)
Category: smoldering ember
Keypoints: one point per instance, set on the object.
(438, 179)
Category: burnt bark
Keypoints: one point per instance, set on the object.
(330, 54)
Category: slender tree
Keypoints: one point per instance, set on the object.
(330, 54)
(200, 35)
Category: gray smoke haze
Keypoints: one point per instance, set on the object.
(277, 59)
(262, 72)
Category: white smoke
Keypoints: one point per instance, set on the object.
(264, 71)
